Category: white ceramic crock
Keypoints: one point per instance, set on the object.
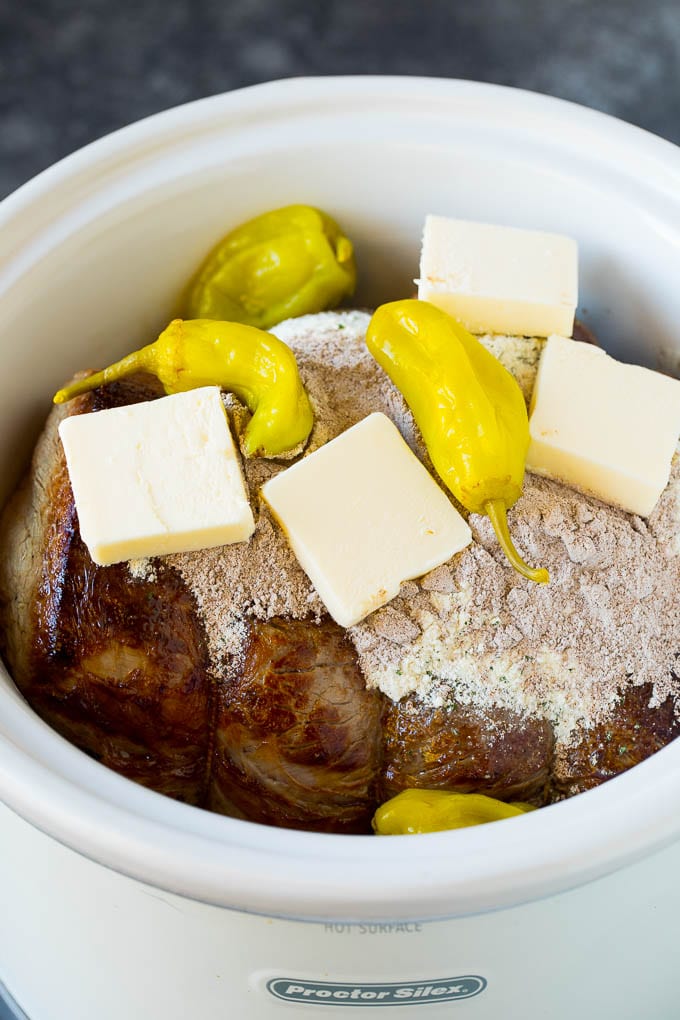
(117, 902)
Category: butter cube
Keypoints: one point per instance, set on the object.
(156, 478)
(362, 515)
(500, 279)
(606, 428)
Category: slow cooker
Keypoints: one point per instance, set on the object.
(118, 902)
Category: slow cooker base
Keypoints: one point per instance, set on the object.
(110, 946)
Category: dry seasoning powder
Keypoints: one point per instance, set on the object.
(472, 630)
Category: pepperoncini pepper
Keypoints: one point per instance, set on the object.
(468, 407)
(416, 811)
(256, 366)
(287, 262)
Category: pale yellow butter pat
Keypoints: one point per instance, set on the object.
(500, 279)
(362, 515)
(155, 478)
(607, 428)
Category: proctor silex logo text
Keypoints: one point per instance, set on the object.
(329, 993)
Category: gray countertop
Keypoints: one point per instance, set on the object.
(73, 70)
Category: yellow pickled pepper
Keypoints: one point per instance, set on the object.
(470, 410)
(284, 263)
(256, 366)
(416, 811)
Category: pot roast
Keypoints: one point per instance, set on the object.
(289, 735)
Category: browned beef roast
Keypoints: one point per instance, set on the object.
(631, 734)
(120, 667)
(457, 747)
(297, 736)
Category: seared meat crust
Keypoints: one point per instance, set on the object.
(463, 749)
(297, 738)
(634, 732)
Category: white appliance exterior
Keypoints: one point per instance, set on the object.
(117, 902)
(82, 941)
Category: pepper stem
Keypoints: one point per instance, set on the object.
(495, 510)
(136, 362)
(344, 250)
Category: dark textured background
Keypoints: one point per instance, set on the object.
(70, 72)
